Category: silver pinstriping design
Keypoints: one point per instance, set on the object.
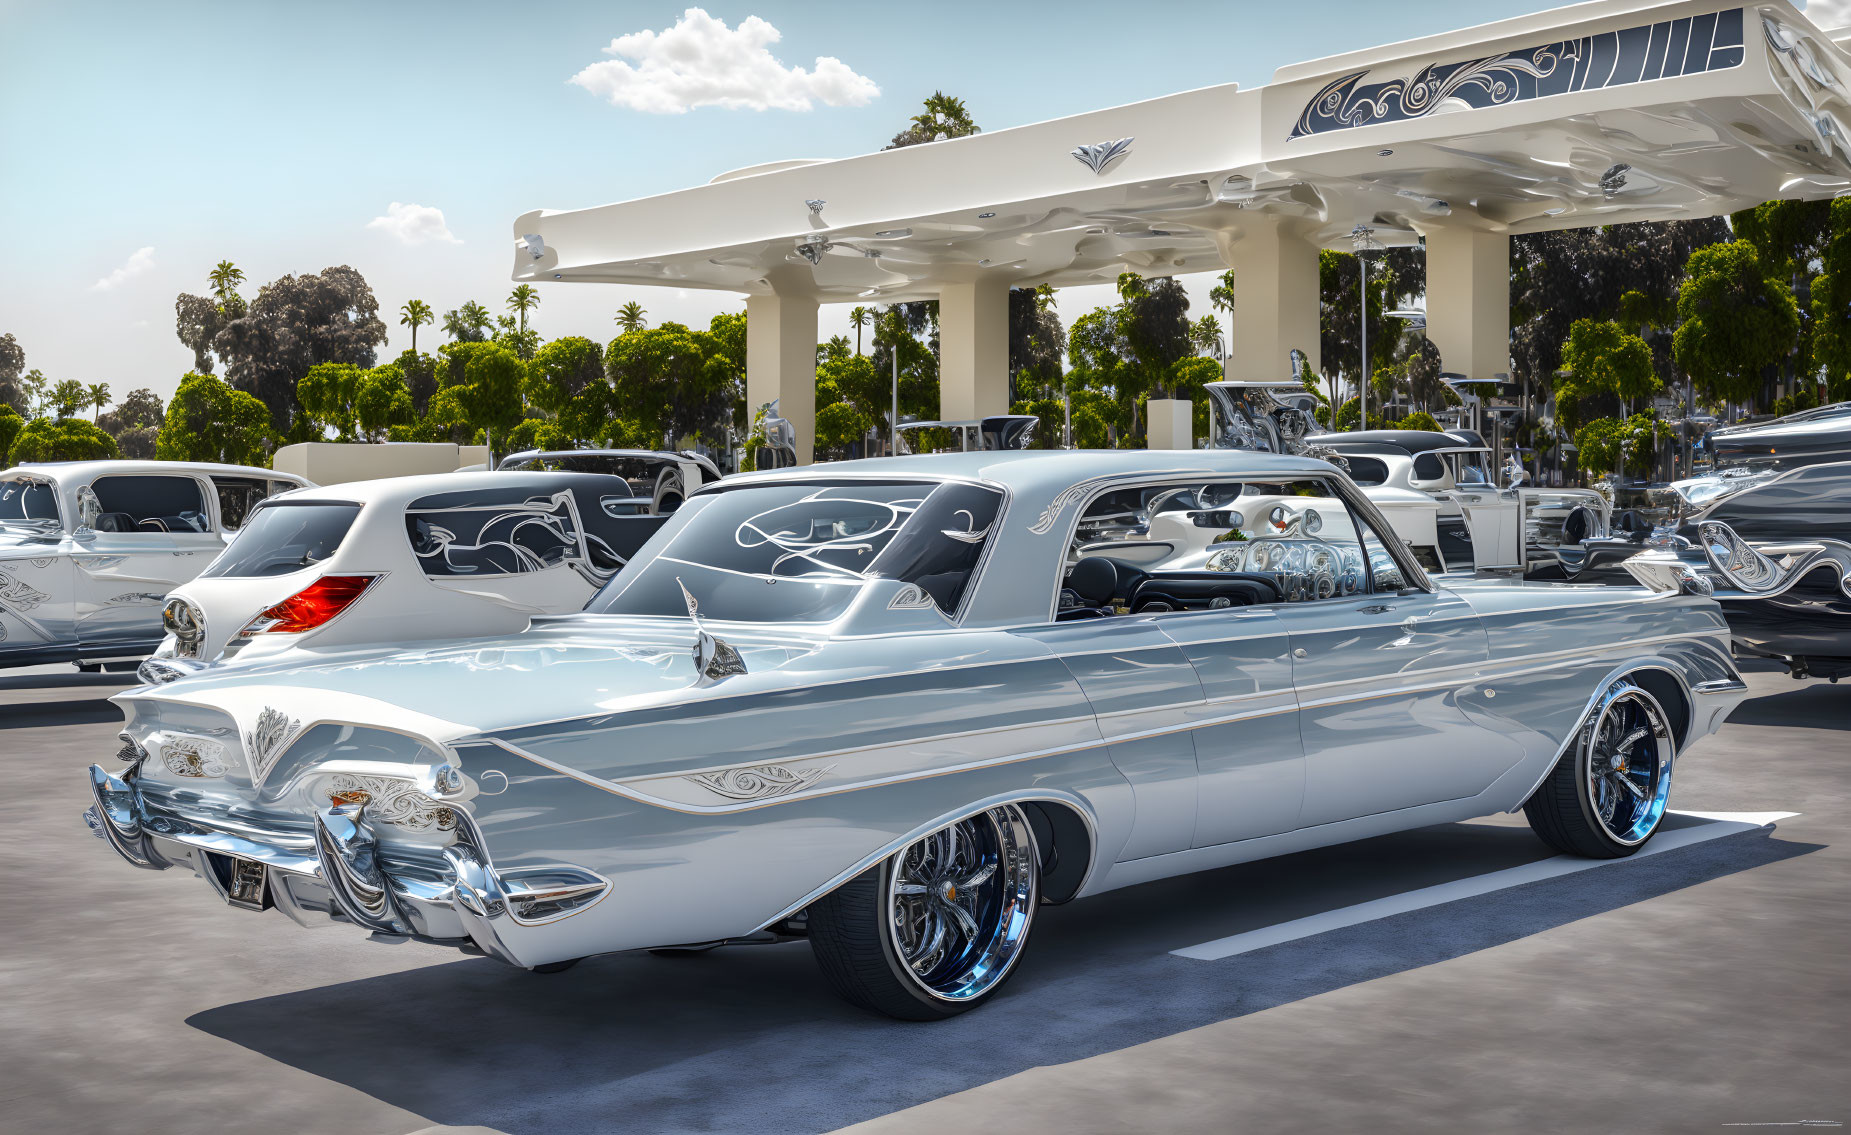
(267, 740)
(540, 516)
(759, 783)
(1608, 59)
(194, 757)
(391, 800)
(17, 595)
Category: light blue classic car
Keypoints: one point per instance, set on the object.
(896, 705)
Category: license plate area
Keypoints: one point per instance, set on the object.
(243, 883)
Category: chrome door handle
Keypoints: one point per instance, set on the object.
(1300, 653)
(1376, 609)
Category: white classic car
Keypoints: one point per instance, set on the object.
(90, 549)
(891, 707)
(659, 479)
(446, 555)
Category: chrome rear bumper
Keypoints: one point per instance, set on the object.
(341, 871)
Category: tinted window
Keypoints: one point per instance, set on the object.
(494, 531)
(1367, 470)
(285, 537)
(148, 504)
(799, 552)
(27, 500)
(1427, 467)
(239, 495)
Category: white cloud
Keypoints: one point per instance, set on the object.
(702, 62)
(1829, 14)
(135, 265)
(414, 224)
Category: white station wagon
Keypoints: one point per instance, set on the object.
(90, 549)
(401, 560)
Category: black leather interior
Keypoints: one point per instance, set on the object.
(1200, 590)
(115, 522)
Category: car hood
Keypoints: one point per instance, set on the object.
(560, 668)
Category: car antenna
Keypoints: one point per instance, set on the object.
(714, 659)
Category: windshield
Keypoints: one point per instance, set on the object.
(799, 552)
(284, 537)
(28, 502)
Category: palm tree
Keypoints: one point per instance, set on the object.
(521, 300)
(859, 317)
(415, 314)
(99, 397)
(469, 323)
(225, 279)
(630, 316)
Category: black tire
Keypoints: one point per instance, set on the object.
(1566, 810)
(852, 929)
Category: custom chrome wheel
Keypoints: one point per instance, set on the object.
(961, 901)
(1608, 793)
(937, 927)
(1628, 769)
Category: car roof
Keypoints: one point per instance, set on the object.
(1049, 471)
(74, 471)
(402, 490)
(1393, 441)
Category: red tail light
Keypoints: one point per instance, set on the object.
(311, 607)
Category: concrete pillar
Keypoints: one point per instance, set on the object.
(781, 362)
(1170, 423)
(1468, 300)
(973, 350)
(1276, 298)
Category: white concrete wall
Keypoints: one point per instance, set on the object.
(331, 463)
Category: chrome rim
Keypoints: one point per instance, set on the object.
(960, 902)
(1628, 769)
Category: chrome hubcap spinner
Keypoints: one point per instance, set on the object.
(960, 902)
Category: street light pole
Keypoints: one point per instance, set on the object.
(1362, 238)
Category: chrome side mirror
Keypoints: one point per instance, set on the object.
(1311, 523)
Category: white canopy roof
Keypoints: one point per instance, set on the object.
(1603, 112)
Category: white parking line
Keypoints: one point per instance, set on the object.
(1720, 824)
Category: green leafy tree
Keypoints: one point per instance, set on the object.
(1221, 296)
(327, 393)
(71, 439)
(1602, 444)
(68, 397)
(1419, 420)
(1734, 322)
(632, 317)
(1831, 304)
(470, 323)
(12, 366)
(661, 380)
(420, 373)
(135, 423)
(10, 425)
(98, 393)
(380, 401)
(1340, 311)
(1603, 358)
(1187, 379)
(840, 425)
(415, 314)
(294, 324)
(1036, 343)
(489, 395)
(207, 420)
(941, 117)
(523, 299)
(225, 278)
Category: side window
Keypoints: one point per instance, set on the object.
(237, 497)
(1384, 574)
(1298, 536)
(1428, 467)
(1366, 471)
(151, 503)
(491, 532)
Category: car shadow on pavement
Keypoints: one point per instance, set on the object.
(1815, 705)
(750, 1038)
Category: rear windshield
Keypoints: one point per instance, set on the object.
(799, 551)
(284, 537)
(27, 500)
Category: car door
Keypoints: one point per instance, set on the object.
(140, 536)
(1146, 698)
(1379, 676)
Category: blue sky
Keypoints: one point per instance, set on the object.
(273, 134)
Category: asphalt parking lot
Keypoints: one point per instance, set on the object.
(1701, 987)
